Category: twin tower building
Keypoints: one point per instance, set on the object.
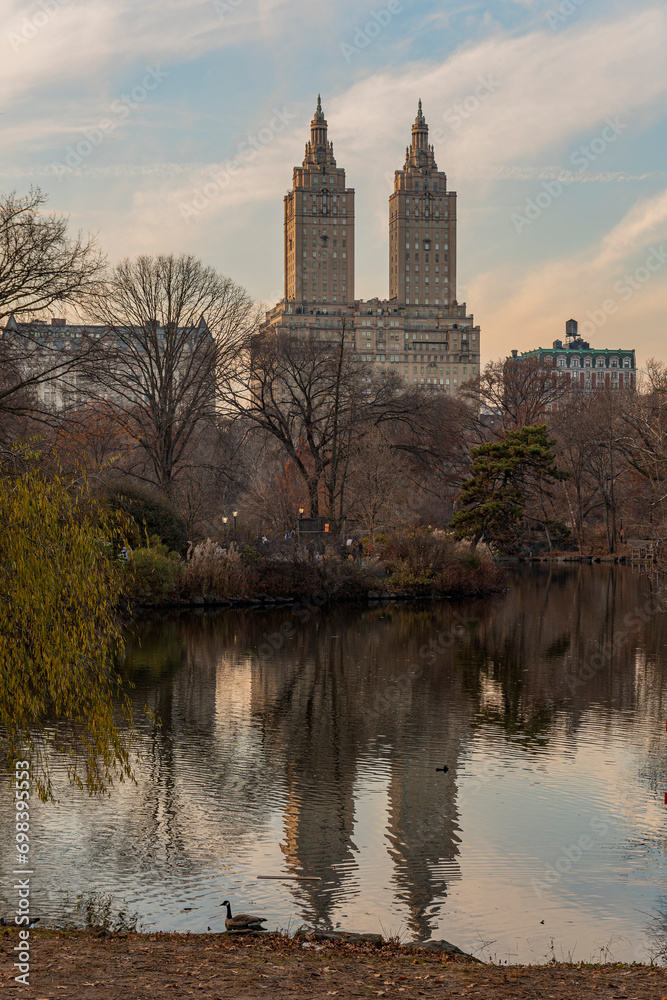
(421, 331)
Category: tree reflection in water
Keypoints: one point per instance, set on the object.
(304, 721)
(321, 758)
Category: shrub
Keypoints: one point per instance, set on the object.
(210, 569)
(433, 560)
(153, 572)
(153, 515)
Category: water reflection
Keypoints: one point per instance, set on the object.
(547, 703)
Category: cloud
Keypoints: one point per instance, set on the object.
(505, 109)
(544, 91)
(76, 43)
(647, 221)
(528, 305)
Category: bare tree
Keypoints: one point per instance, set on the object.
(575, 433)
(172, 324)
(318, 400)
(41, 266)
(379, 485)
(607, 464)
(435, 450)
(645, 416)
(518, 390)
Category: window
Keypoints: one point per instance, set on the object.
(561, 362)
(626, 362)
(600, 362)
(587, 362)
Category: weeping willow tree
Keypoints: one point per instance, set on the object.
(59, 633)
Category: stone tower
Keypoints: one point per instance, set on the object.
(422, 228)
(319, 227)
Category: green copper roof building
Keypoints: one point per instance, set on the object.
(590, 367)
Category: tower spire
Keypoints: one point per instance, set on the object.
(318, 134)
(420, 133)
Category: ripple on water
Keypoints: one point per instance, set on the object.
(321, 761)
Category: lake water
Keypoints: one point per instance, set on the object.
(546, 837)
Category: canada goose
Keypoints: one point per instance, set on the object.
(242, 921)
(11, 923)
(443, 769)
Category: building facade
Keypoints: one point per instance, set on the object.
(584, 366)
(422, 220)
(421, 332)
(319, 225)
(67, 365)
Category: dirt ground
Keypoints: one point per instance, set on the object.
(83, 966)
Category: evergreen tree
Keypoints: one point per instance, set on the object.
(506, 476)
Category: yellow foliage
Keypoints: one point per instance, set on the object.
(59, 587)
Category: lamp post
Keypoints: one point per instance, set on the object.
(235, 514)
(224, 521)
(298, 527)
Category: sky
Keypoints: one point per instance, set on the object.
(174, 127)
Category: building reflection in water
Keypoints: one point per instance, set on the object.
(274, 748)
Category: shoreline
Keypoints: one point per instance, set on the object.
(372, 598)
(576, 557)
(99, 965)
(265, 602)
